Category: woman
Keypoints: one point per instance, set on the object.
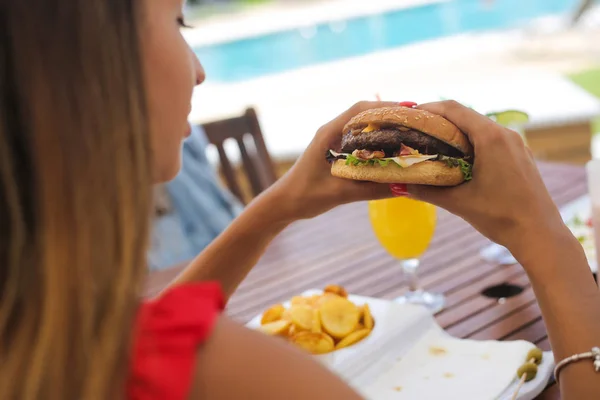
(192, 209)
(82, 82)
(81, 85)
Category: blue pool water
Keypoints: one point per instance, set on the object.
(285, 50)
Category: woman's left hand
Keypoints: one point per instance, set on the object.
(309, 189)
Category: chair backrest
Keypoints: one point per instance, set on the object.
(256, 161)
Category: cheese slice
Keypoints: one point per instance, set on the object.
(370, 128)
(407, 161)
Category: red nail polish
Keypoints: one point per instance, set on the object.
(397, 194)
(399, 189)
(409, 104)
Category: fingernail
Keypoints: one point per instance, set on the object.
(409, 104)
(399, 190)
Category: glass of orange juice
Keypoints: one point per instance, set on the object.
(405, 227)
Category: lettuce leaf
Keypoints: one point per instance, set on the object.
(351, 160)
(465, 167)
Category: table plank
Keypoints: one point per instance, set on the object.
(314, 253)
(472, 326)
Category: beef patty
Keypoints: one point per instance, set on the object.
(389, 140)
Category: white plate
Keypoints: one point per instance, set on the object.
(581, 209)
(399, 348)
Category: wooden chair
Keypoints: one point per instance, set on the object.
(256, 161)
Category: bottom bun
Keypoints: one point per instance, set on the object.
(435, 173)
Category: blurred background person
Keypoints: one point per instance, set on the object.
(192, 209)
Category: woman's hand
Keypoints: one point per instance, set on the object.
(508, 202)
(507, 199)
(309, 189)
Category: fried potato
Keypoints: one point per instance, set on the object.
(275, 328)
(336, 289)
(339, 317)
(325, 297)
(302, 317)
(319, 323)
(299, 300)
(314, 300)
(353, 338)
(286, 316)
(272, 314)
(316, 322)
(367, 318)
(314, 342)
(292, 330)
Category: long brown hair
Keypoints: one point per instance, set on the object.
(74, 195)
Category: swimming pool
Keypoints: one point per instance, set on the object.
(289, 49)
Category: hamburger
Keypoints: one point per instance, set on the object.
(403, 145)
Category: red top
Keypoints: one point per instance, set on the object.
(168, 332)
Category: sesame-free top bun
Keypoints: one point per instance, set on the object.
(432, 124)
(434, 173)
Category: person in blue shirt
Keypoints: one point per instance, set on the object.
(192, 209)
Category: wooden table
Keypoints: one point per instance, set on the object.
(339, 247)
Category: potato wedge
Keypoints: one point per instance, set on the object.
(316, 322)
(314, 343)
(353, 338)
(275, 328)
(272, 314)
(291, 331)
(336, 289)
(302, 317)
(367, 317)
(287, 316)
(314, 300)
(325, 297)
(359, 327)
(299, 300)
(339, 317)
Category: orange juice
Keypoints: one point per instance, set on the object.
(403, 226)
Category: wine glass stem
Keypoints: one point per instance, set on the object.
(409, 266)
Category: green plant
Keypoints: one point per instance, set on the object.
(590, 81)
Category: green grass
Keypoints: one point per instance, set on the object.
(590, 81)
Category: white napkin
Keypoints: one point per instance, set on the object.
(439, 365)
